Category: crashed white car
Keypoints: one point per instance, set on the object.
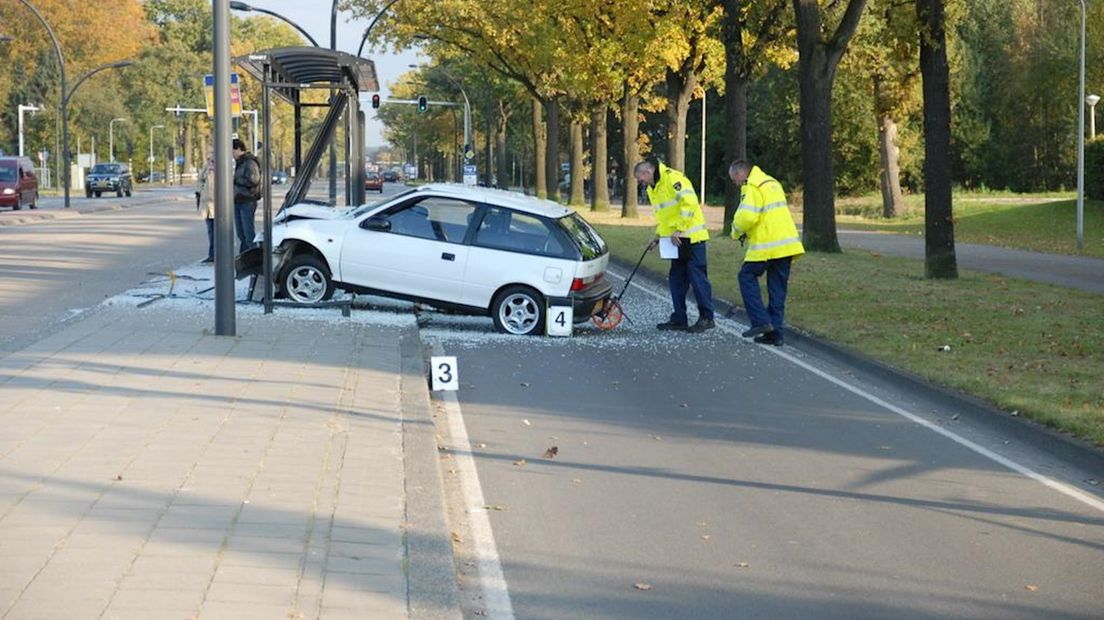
(468, 249)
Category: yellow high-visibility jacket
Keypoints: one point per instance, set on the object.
(676, 206)
(765, 217)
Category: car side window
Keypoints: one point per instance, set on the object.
(439, 219)
(505, 229)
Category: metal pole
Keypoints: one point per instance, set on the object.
(266, 159)
(1092, 122)
(62, 105)
(1081, 140)
(224, 222)
(151, 157)
(701, 187)
(333, 141)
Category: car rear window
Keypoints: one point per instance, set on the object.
(588, 240)
(504, 229)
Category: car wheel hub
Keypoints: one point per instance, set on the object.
(518, 313)
(306, 285)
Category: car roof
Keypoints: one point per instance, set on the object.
(498, 197)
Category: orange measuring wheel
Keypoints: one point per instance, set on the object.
(610, 317)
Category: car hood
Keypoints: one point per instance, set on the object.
(311, 212)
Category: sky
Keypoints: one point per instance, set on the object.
(314, 17)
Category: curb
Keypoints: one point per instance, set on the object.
(433, 593)
(1075, 451)
(48, 215)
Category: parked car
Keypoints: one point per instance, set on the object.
(279, 177)
(18, 183)
(391, 176)
(466, 249)
(108, 178)
(373, 182)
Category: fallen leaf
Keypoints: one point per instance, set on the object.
(742, 565)
(576, 481)
(526, 422)
(642, 586)
(520, 462)
(456, 538)
(705, 536)
(494, 507)
(551, 452)
(702, 524)
(119, 477)
(481, 445)
(1093, 481)
(524, 385)
(1031, 588)
(954, 417)
(684, 405)
(657, 438)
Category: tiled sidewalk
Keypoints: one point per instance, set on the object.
(150, 470)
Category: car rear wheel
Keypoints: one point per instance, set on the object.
(307, 280)
(518, 310)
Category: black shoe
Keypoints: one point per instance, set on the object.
(208, 260)
(771, 338)
(758, 330)
(701, 326)
(671, 326)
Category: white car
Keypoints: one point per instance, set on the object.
(462, 248)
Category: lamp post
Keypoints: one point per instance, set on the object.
(1092, 100)
(151, 150)
(246, 8)
(111, 136)
(1081, 138)
(24, 108)
(368, 30)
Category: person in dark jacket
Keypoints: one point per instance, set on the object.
(247, 190)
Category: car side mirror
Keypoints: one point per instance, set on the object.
(377, 223)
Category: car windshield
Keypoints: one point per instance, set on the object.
(105, 169)
(365, 208)
(8, 175)
(587, 238)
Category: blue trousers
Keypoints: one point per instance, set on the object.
(778, 276)
(210, 238)
(243, 223)
(690, 269)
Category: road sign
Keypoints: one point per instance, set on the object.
(179, 160)
(235, 95)
(470, 174)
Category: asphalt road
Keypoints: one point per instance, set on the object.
(56, 269)
(708, 477)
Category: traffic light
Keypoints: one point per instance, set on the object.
(423, 104)
(375, 101)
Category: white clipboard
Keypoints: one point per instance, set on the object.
(667, 249)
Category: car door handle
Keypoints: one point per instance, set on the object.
(448, 256)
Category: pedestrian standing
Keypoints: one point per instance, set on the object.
(679, 217)
(205, 203)
(764, 222)
(247, 191)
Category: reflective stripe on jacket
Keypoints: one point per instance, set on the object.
(676, 206)
(765, 217)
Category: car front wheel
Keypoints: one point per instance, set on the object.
(518, 310)
(307, 280)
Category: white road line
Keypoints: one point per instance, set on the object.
(1062, 488)
(492, 582)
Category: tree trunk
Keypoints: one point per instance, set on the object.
(817, 61)
(500, 147)
(939, 246)
(577, 175)
(630, 154)
(599, 190)
(889, 153)
(539, 140)
(735, 103)
(488, 147)
(680, 88)
(552, 149)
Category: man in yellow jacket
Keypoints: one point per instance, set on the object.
(679, 217)
(763, 220)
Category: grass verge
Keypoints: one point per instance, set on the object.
(1039, 222)
(1033, 348)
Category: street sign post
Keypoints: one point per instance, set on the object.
(470, 174)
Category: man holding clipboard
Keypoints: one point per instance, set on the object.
(681, 234)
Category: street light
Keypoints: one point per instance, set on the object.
(368, 30)
(1092, 100)
(246, 8)
(151, 150)
(24, 108)
(1081, 138)
(111, 136)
